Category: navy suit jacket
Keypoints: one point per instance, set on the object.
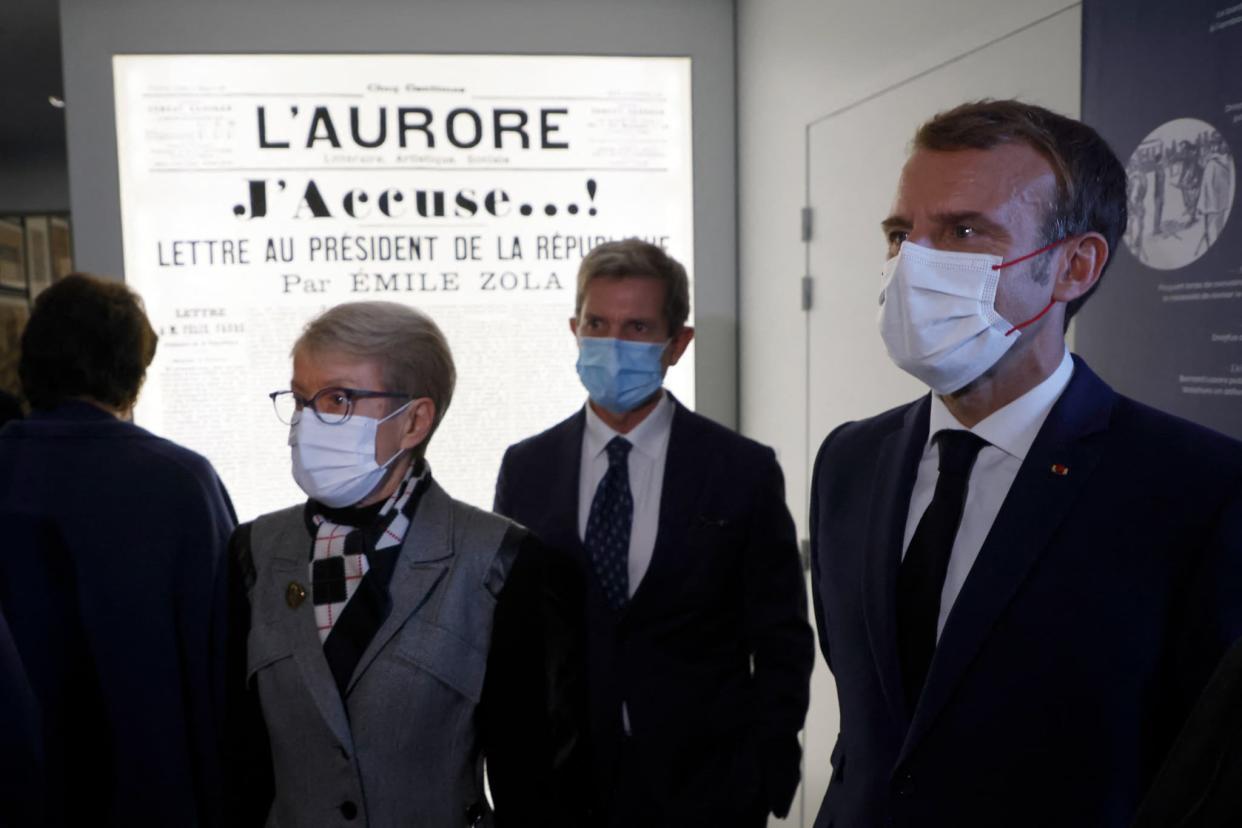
(113, 582)
(712, 737)
(1095, 613)
(21, 740)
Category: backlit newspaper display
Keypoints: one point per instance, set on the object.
(257, 190)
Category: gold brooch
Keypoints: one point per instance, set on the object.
(295, 594)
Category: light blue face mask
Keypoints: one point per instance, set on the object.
(620, 374)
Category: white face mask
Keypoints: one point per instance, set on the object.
(938, 314)
(335, 464)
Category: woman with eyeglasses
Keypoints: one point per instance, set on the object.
(387, 643)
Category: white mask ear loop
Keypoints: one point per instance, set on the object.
(380, 422)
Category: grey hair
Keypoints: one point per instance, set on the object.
(413, 355)
(635, 258)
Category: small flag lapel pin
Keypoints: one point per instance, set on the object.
(1060, 470)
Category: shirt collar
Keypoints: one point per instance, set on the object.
(650, 437)
(1013, 428)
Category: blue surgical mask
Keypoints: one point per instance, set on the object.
(620, 374)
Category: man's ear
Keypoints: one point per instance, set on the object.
(1083, 262)
(418, 420)
(573, 326)
(677, 345)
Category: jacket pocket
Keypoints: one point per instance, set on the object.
(450, 659)
(266, 645)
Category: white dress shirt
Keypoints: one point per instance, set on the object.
(1010, 431)
(646, 468)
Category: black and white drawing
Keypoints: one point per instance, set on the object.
(1180, 186)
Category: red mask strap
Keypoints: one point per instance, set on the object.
(1034, 318)
(1043, 249)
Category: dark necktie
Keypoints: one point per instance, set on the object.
(607, 538)
(920, 580)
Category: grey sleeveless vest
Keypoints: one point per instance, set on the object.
(400, 748)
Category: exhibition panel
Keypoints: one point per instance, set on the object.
(257, 190)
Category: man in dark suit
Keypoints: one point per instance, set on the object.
(112, 572)
(1200, 785)
(699, 651)
(1023, 580)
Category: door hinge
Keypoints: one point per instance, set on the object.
(808, 292)
(807, 216)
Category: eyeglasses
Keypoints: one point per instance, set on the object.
(332, 406)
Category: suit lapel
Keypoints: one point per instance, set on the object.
(289, 565)
(1033, 511)
(563, 481)
(895, 471)
(686, 470)
(426, 555)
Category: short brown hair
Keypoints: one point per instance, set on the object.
(412, 352)
(87, 338)
(637, 258)
(1091, 181)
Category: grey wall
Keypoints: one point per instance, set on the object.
(34, 183)
(93, 31)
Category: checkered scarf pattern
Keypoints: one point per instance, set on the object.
(332, 539)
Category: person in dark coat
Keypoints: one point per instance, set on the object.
(1200, 784)
(112, 572)
(21, 743)
(1022, 579)
(699, 653)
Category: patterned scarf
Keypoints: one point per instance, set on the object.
(353, 554)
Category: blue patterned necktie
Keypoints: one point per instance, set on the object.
(607, 537)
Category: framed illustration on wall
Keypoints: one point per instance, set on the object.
(14, 311)
(38, 255)
(12, 262)
(1162, 83)
(60, 243)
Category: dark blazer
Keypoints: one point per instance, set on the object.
(1200, 785)
(21, 740)
(1098, 606)
(38, 585)
(114, 586)
(713, 742)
